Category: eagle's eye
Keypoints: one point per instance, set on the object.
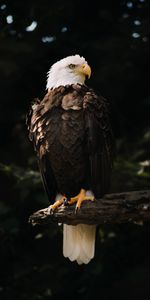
(72, 66)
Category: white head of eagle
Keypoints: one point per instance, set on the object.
(70, 70)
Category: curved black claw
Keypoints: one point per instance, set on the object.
(77, 209)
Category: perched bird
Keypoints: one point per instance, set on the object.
(72, 135)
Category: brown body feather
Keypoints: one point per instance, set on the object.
(71, 132)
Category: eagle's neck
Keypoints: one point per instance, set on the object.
(66, 79)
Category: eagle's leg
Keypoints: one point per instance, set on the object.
(58, 203)
(80, 198)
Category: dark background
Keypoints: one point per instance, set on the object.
(114, 37)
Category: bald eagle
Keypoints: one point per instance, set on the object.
(71, 132)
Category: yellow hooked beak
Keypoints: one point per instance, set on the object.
(84, 69)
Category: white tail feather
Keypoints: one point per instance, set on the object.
(79, 242)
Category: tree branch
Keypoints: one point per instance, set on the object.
(112, 208)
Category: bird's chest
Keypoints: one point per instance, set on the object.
(67, 142)
(66, 132)
(72, 102)
(69, 130)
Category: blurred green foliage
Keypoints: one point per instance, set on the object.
(114, 38)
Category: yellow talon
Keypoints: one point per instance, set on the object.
(80, 198)
(57, 204)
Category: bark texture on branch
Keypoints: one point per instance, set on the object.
(112, 208)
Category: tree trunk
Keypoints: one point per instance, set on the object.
(111, 209)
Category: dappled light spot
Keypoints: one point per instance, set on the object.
(64, 29)
(32, 26)
(129, 4)
(38, 236)
(135, 35)
(3, 6)
(48, 39)
(137, 22)
(145, 39)
(144, 167)
(9, 19)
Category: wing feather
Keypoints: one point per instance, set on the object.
(100, 142)
(38, 122)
